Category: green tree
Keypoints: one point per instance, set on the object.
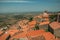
(53, 18)
(30, 18)
(37, 27)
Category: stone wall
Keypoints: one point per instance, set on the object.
(57, 33)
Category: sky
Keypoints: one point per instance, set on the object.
(7, 6)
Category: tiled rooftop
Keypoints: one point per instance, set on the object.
(32, 23)
(36, 33)
(25, 25)
(12, 32)
(4, 36)
(44, 23)
(49, 36)
(55, 25)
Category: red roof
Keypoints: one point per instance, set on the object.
(44, 23)
(12, 32)
(55, 25)
(4, 36)
(49, 36)
(36, 33)
(27, 34)
(32, 23)
(19, 35)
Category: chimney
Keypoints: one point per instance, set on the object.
(58, 19)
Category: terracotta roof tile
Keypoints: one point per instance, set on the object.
(35, 33)
(27, 34)
(44, 23)
(4, 36)
(49, 36)
(55, 25)
(32, 23)
(12, 32)
(19, 35)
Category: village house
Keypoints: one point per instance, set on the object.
(43, 20)
(54, 27)
(34, 35)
